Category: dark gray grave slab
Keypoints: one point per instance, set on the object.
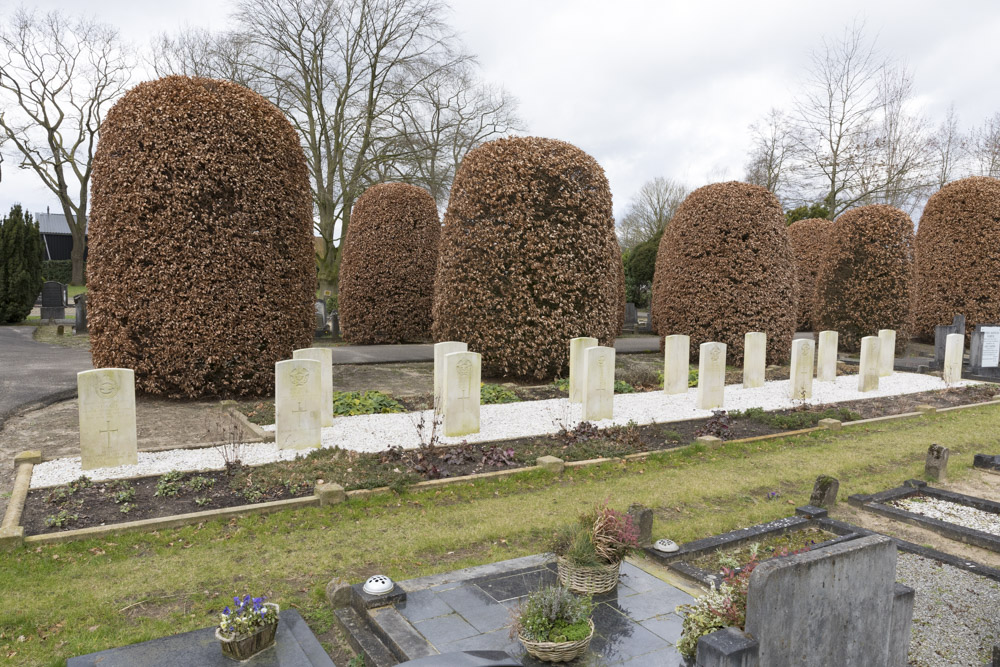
(941, 332)
(294, 646)
(984, 351)
(631, 314)
(80, 301)
(53, 300)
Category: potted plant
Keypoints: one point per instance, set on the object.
(247, 628)
(554, 625)
(589, 553)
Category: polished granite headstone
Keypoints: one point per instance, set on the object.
(635, 624)
(294, 646)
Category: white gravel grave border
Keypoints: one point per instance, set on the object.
(945, 510)
(374, 433)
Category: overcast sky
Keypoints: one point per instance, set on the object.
(650, 88)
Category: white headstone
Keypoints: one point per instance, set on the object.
(954, 348)
(298, 393)
(887, 355)
(107, 418)
(577, 346)
(711, 375)
(460, 393)
(754, 359)
(801, 372)
(324, 356)
(826, 364)
(676, 364)
(871, 348)
(440, 351)
(598, 383)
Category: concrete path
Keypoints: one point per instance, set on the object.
(388, 354)
(35, 374)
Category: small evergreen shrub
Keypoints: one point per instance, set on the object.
(20, 265)
(553, 614)
(346, 403)
(490, 394)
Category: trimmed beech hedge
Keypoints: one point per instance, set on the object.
(958, 256)
(865, 282)
(810, 239)
(724, 267)
(528, 257)
(201, 272)
(387, 271)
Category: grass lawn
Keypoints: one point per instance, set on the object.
(63, 600)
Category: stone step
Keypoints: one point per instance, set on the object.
(362, 639)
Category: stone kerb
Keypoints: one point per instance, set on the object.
(676, 364)
(598, 383)
(298, 392)
(577, 347)
(754, 359)
(107, 418)
(711, 375)
(826, 362)
(441, 350)
(800, 386)
(836, 605)
(324, 356)
(460, 393)
(868, 367)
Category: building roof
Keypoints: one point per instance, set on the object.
(52, 223)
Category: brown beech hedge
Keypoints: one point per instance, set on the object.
(809, 239)
(201, 272)
(958, 256)
(528, 257)
(724, 267)
(387, 271)
(865, 282)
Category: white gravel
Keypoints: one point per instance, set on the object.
(955, 613)
(372, 433)
(963, 515)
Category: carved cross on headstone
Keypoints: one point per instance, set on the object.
(464, 369)
(108, 431)
(299, 412)
(602, 374)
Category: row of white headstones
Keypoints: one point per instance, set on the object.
(304, 386)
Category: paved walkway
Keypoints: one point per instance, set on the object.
(388, 354)
(35, 374)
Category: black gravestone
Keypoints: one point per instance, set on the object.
(81, 313)
(53, 300)
(335, 324)
(941, 332)
(294, 646)
(984, 351)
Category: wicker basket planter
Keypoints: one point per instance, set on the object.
(558, 651)
(242, 647)
(588, 579)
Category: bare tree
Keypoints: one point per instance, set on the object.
(772, 153)
(58, 76)
(948, 145)
(649, 211)
(984, 147)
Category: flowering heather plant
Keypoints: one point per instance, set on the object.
(602, 536)
(248, 615)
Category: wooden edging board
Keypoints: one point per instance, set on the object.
(179, 520)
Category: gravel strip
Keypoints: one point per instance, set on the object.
(945, 510)
(956, 614)
(375, 433)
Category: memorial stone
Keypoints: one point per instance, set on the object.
(826, 362)
(801, 372)
(80, 301)
(754, 359)
(887, 354)
(320, 317)
(711, 376)
(936, 463)
(941, 333)
(324, 356)
(871, 346)
(460, 392)
(598, 383)
(984, 350)
(441, 350)
(53, 301)
(631, 315)
(676, 364)
(954, 351)
(107, 418)
(298, 394)
(577, 346)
